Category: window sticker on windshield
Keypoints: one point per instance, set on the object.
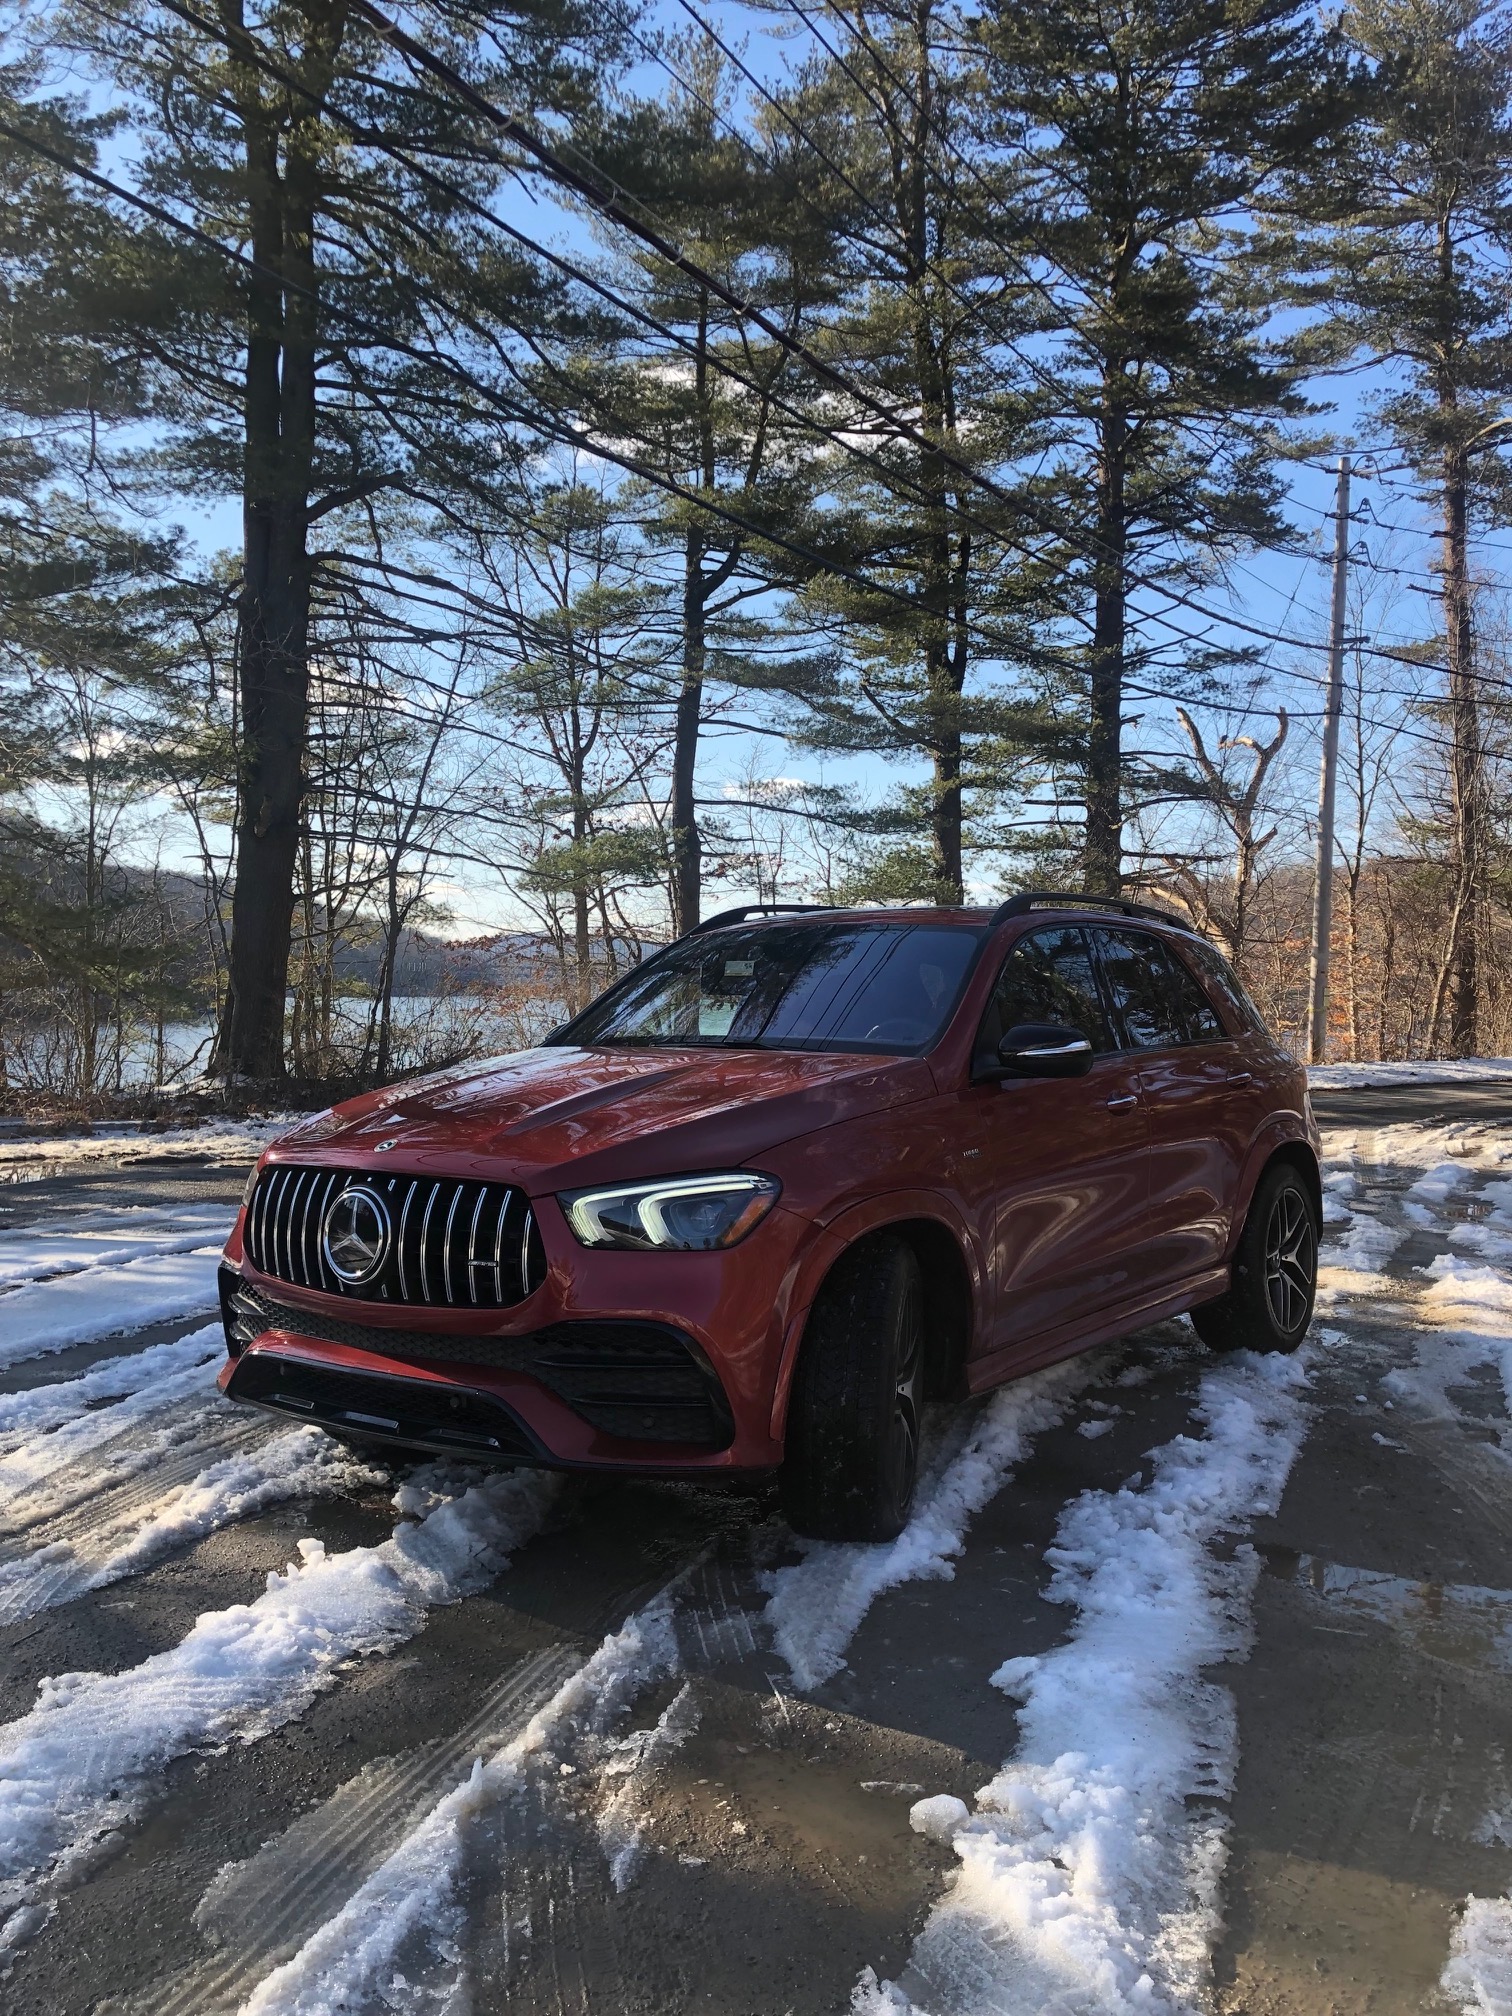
(739, 969)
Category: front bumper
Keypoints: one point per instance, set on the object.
(650, 1362)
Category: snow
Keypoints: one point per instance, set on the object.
(60, 1426)
(106, 1239)
(415, 1888)
(211, 1141)
(304, 1463)
(41, 1409)
(243, 1670)
(1089, 1872)
(1478, 1977)
(817, 1604)
(47, 1316)
(1417, 1071)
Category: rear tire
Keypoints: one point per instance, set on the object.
(853, 1418)
(1275, 1275)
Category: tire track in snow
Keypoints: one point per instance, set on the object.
(105, 1239)
(258, 1913)
(48, 1316)
(709, 1614)
(38, 1410)
(126, 1528)
(83, 1761)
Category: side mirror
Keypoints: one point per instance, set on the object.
(1045, 1050)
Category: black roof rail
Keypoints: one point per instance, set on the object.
(744, 910)
(1058, 899)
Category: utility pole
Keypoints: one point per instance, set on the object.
(1328, 783)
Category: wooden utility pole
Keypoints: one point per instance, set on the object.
(1328, 781)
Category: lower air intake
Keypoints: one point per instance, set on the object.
(417, 1413)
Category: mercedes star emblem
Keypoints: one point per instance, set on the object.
(356, 1235)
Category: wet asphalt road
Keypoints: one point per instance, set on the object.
(1365, 1745)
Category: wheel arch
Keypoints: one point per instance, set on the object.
(949, 1302)
(1301, 1157)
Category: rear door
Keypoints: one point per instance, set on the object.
(1061, 1160)
(1191, 1074)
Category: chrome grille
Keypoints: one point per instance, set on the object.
(453, 1240)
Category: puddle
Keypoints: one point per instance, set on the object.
(1455, 1621)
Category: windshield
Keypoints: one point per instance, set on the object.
(851, 986)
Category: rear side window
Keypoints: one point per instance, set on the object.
(1231, 989)
(1047, 977)
(1155, 998)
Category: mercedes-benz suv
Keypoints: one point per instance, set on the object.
(789, 1178)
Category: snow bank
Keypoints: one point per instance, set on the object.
(94, 1737)
(1423, 1071)
(1089, 1873)
(48, 1316)
(817, 1604)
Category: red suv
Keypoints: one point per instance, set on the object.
(792, 1176)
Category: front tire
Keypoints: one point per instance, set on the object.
(1275, 1275)
(852, 1456)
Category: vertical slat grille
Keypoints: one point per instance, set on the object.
(450, 1239)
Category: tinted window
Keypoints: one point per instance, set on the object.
(1156, 999)
(854, 986)
(1047, 977)
(1231, 988)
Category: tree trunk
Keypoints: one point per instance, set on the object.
(273, 614)
(1102, 871)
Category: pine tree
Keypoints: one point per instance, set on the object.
(1141, 136)
(310, 352)
(1421, 251)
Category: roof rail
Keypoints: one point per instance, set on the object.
(744, 910)
(1056, 899)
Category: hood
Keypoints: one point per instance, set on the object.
(551, 1117)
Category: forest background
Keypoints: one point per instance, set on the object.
(483, 487)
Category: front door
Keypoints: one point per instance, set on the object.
(1062, 1168)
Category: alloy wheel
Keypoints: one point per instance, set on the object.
(1290, 1260)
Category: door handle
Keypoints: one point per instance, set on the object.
(1241, 1077)
(1122, 1105)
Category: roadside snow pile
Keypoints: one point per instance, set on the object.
(1090, 1870)
(817, 1604)
(1418, 1071)
(210, 1141)
(73, 1768)
(47, 1316)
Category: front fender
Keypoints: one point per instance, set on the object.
(870, 1214)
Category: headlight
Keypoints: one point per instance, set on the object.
(683, 1214)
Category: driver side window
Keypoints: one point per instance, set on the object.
(1047, 977)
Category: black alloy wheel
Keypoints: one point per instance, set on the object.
(1274, 1280)
(1291, 1260)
